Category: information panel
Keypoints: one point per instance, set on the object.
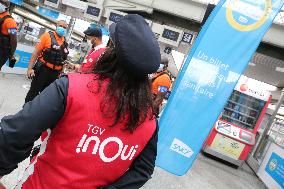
(275, 168)
(219, 56)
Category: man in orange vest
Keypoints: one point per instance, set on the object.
(161, 83)
(47, 60)
(8, 35)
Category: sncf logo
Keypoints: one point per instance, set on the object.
(181, 148)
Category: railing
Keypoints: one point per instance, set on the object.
(276, 132)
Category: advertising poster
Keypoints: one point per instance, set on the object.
(22, 55)
(275, 168)
(227, 146)
(219, 56)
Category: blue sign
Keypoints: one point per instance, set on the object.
(275, 168)
(22, 58)
(47, 12)
(17, 2)
(219, 56)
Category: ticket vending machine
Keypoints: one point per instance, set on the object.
(233, 135)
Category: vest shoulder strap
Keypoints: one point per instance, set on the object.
(3, 19)
(53, 39)
(65, 44)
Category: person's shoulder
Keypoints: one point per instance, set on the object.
(2, 15)
(45, 36)
(42, 41)
(102, 49)
(81, 76)
(165, 76)
(9, 22)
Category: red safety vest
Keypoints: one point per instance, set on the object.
(91, 60)
(82, 151)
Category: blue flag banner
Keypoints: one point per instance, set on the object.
(219, 56)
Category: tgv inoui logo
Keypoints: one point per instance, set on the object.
(181, 148)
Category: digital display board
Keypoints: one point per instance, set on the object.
(114, 17)
(94, 11)
(171, 35)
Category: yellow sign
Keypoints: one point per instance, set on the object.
(227, 146)
(248, 11)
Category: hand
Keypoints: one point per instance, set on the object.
(30, 73)
(77, 67)
(70, 66)
(12, 61)
(12, 57)
(2, 186)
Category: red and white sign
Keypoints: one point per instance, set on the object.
(252, 88)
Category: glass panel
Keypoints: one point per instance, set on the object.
(242, 110)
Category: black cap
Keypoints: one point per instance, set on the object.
(136, 45)
(96, 32)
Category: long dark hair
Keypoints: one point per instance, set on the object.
(127, 98)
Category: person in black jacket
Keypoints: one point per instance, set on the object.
(127, 73)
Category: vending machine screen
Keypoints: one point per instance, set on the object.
(242, 110)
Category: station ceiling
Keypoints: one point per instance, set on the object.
(266, 69)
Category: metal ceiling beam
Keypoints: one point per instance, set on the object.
(192, 10)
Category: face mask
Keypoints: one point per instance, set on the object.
(161, 68)
(60, 31)
(2, 8)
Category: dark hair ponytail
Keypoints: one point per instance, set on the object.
(127, 98)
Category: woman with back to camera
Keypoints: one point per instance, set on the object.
(102, 131)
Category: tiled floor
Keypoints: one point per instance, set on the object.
(205, 173)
